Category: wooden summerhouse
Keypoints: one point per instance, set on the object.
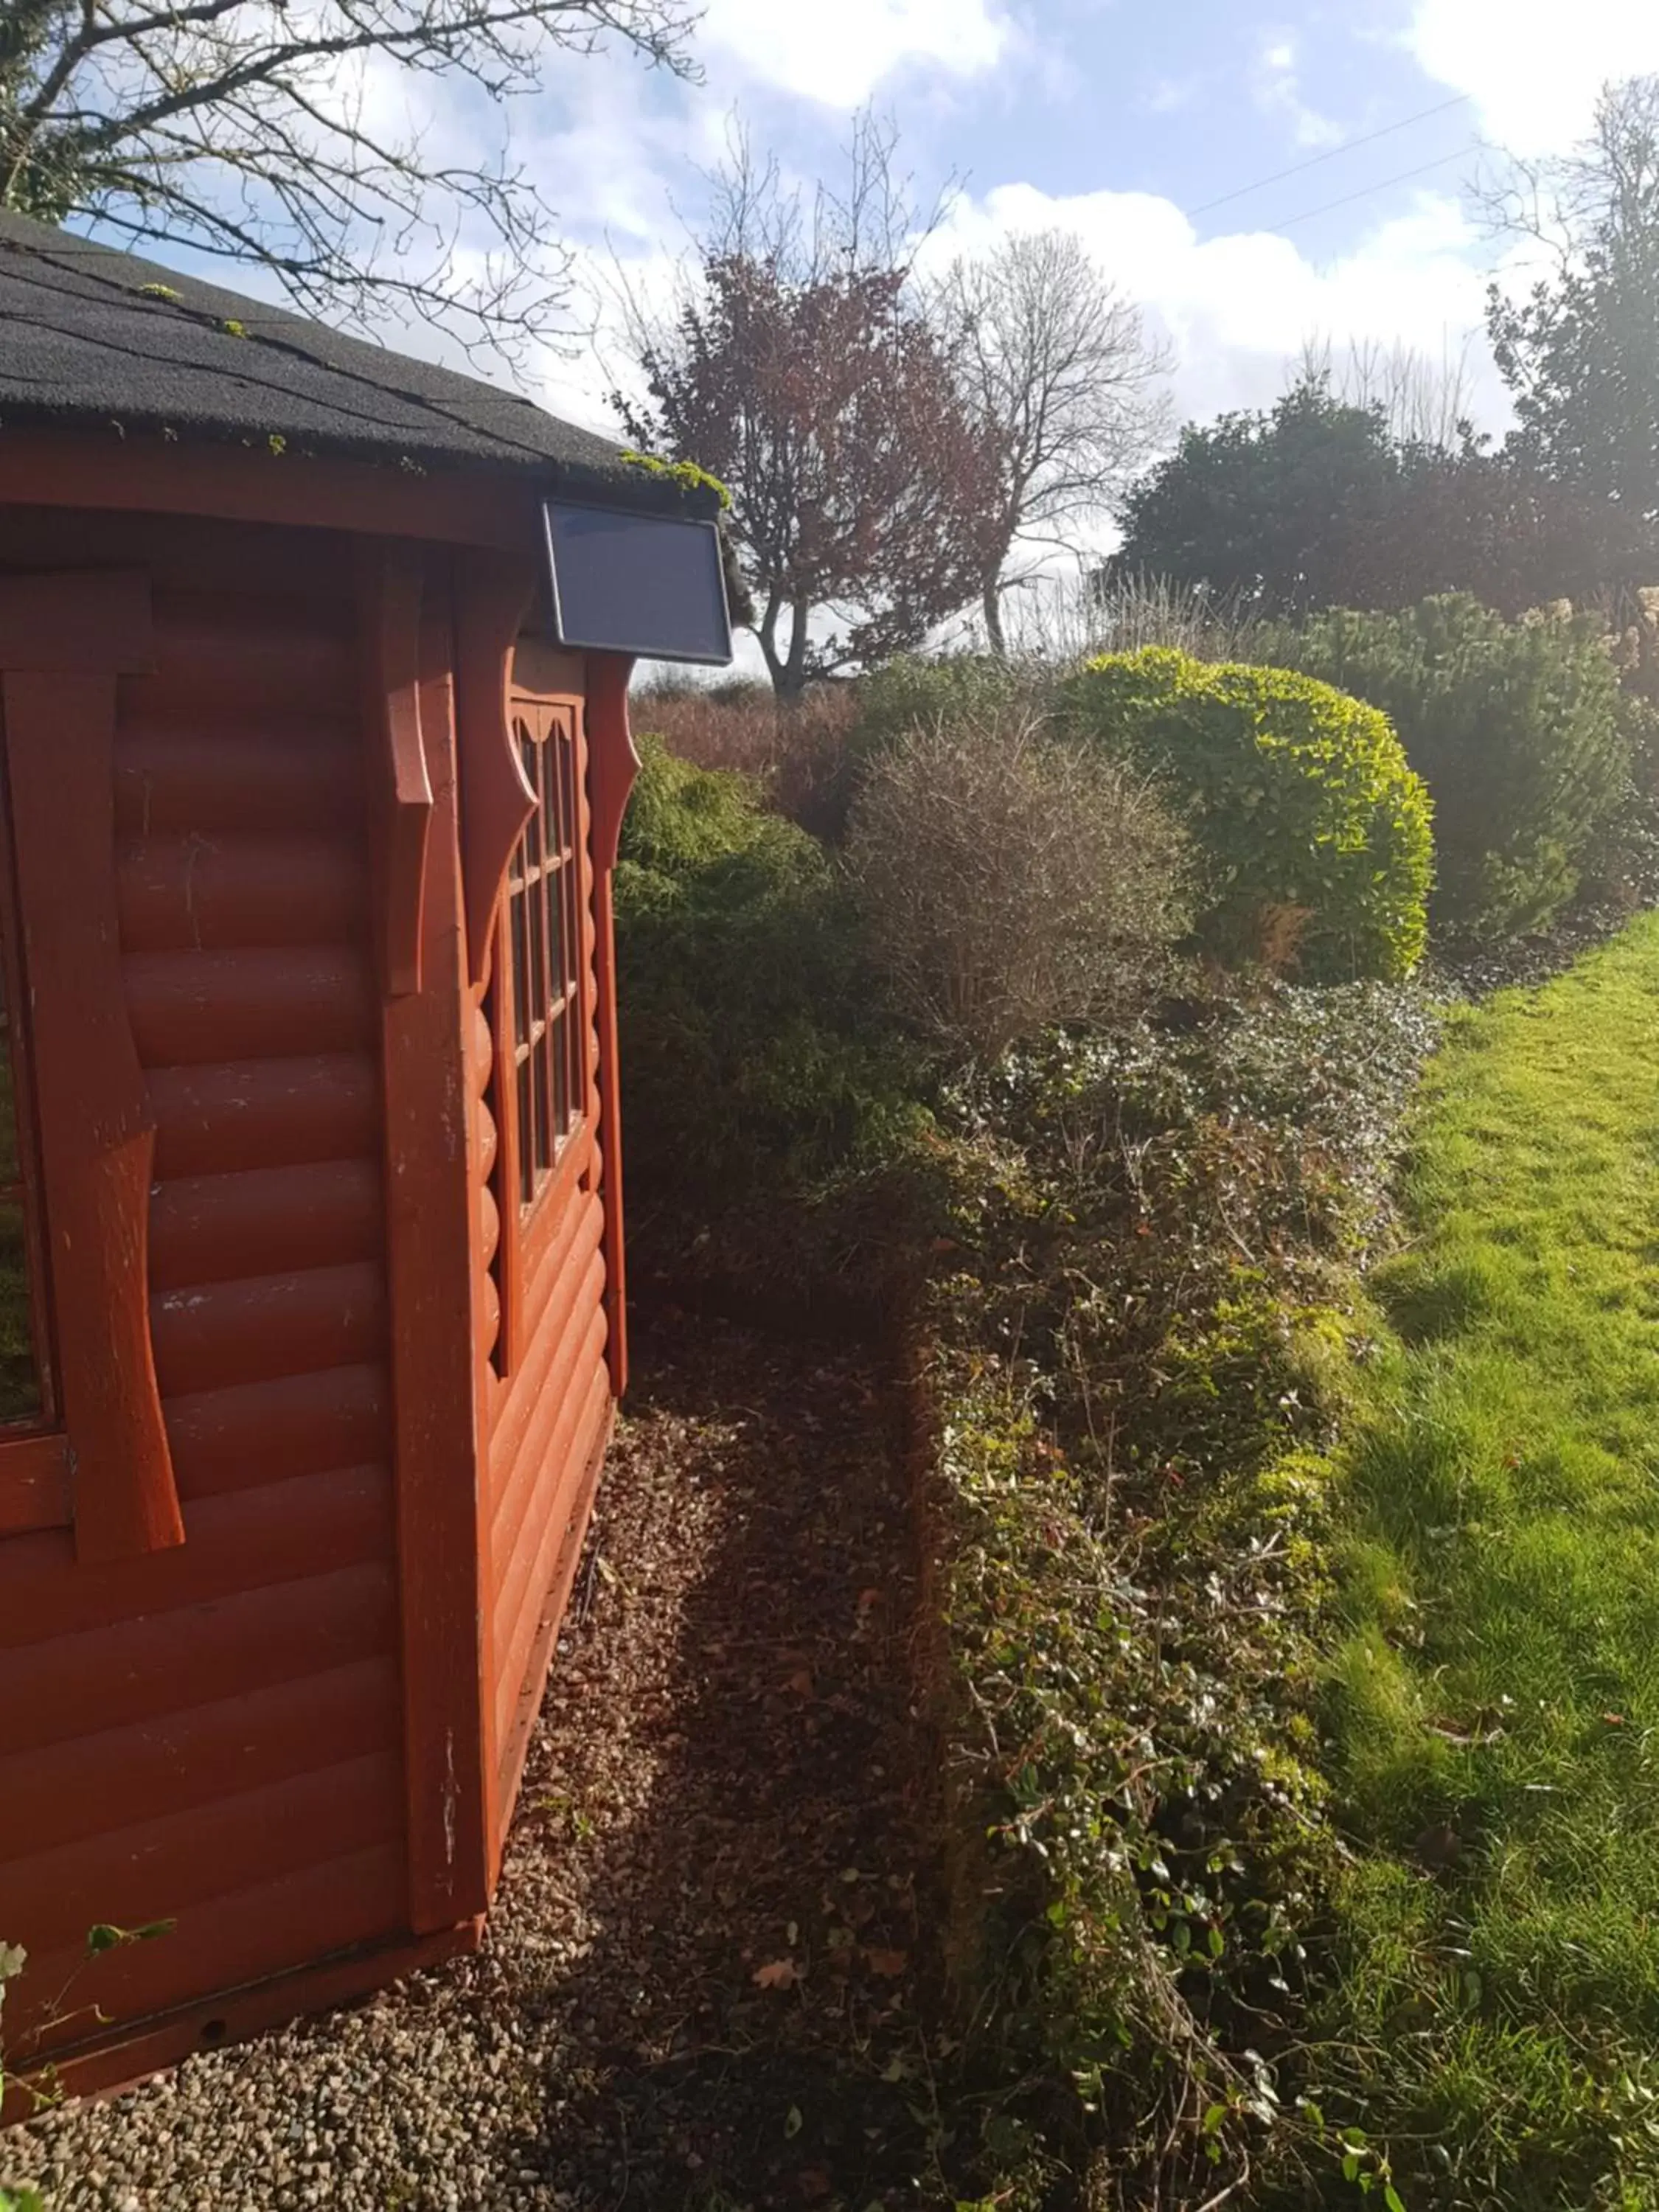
(313, 676)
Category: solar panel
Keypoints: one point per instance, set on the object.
(645, 584)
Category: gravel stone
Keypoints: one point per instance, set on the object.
(699, 1985)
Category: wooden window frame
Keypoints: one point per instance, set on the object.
(545, 694)
(104, 1467)
(544, 1034)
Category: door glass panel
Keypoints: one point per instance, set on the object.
(20, 1369)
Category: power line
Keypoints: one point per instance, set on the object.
(1381, 185)
(1348, 145)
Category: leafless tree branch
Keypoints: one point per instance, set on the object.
(1059, 367)
(249, 129)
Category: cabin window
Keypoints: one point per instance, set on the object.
(84, 1444)
(544, 935)
(23, 1401)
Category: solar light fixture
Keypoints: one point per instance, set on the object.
(651, 585)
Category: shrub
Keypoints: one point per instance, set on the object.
(1009, 882)
(799, 752)
(911, 693)
(753, 1060)
(1515, 726)
(1315, 829)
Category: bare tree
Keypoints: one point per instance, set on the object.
(1424, 402)
(1059, 367)
(798, 364)
(259, 131)
(1605, 191)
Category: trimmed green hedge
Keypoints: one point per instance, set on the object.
(1317, 830)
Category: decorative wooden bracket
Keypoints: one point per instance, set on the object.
(390, 580)
(494, 592)
(612, 762)
(612, 765)
(64, 642)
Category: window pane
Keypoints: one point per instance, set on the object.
(560, 781)
(20, 1371)
(527, 1132)
(544, 1131)
(530, 754)
(555, 1038)
(537, 916)
(19, 1381)
(10, 1173)
(521, 1007)
(561, 959)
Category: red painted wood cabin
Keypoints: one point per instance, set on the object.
(314, 672)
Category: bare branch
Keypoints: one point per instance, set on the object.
(108, 106)
(1059, 367)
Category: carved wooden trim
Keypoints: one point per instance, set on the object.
(97, 1132)
(493, 595)
(612, 765)
(388, 588)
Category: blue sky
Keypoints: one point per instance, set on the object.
(1122, 119)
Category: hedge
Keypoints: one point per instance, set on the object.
(1317, 830)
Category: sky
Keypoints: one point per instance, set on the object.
(1258, 175)
(1158, 133)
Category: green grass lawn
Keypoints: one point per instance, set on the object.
(1495, 1696)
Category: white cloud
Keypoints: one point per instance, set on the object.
(838, 54)
(1239, 307)
(1276, 86)
(1532, 68)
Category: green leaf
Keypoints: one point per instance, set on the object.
(793, 2123)
(104, 1935)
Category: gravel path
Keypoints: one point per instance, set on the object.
(700, 1986)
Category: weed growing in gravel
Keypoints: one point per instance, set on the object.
(19, 2197)
(40, 2084)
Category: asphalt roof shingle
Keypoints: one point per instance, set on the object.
(89, 334)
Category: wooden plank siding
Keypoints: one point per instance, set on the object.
(214, 1733)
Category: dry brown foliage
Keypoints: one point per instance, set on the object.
(798, 752)
(1010, 881)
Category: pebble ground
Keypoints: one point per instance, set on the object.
(699, 1989)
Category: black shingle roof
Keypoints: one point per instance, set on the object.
(89, 335)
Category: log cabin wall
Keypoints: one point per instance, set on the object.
(543, 1373)
(214, 1732)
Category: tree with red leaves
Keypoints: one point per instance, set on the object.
(800, 367)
